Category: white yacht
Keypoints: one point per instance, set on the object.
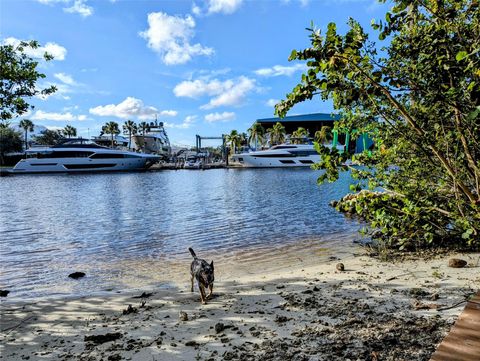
(81, 155)
(153, 141)
(283, 155)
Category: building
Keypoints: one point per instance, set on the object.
(314, 122)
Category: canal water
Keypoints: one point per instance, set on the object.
(133, 229)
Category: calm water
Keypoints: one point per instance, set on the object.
(124, 229)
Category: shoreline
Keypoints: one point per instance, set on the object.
(303, 309)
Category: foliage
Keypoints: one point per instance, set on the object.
(300, 135)
(112, 129)
(19, 75)
(323, 135)
(277, 133)
(234, 140)
(143, 127)
(27, 126)
(257, 134)
(129, 127)
(419, 100)
(10, 141)
(49, 137)
(69, 131)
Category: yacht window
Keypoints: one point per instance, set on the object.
(107, 156)
(88, 166)
(303, 153)
(287, 161)
(308, 161)
(68, 154)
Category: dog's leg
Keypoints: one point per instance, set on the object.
(202, 293)
(210, 287)
(191, 280)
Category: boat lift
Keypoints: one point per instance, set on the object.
(198, 141)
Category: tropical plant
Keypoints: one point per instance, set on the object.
(324, 135)
(10, 141)
(69, 131)
(418, 99)
(19, 75)
(130, 128)
(300, 135)
(27, 126)
(49, 137)
(277, 133)
(234, 140)
(112, 129)
(256, 133)
(143, 127)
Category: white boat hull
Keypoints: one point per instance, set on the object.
(251, 161)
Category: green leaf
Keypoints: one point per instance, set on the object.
(461, 55)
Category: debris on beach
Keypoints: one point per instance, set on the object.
(456, 263)
(340, 267)
(183, 316)
(99, 339)
(4, 293)
(129, 310)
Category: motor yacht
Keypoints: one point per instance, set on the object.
(81, 155)
(153, 141)
(283, 155)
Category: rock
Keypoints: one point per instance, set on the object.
(224, 339)
(76, 275)
(219, 327)
(129, 310)
(340, 267)
(191, 343)
(183, 316)
(456, 263)
(4, 293)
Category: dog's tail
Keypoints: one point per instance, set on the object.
(192, 253)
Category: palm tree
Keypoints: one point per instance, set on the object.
(144, 127)
(256, 132)
(27, 126)
(234, 139)
(69, 131)
(323, 135)
(129, 127)
(277, 134)
(111, 128)
(299, 135)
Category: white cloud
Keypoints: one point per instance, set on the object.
(272, 102)
(219, 117)
(80, 8)
(130, 107)
(217, 6)
(168, 113)
(187, 123)
(60, 117)
(279, 70)
(170, 37)
(231, 92)
(58, 52)
(65, 78)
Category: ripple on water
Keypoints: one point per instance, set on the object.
(119, 228)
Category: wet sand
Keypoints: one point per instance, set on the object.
(294, 305)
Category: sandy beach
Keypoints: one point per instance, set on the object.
(295, 307)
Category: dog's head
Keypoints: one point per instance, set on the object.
(208, 274)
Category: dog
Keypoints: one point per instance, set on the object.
(203, 273)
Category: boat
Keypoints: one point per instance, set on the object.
(81, 155)
(193, 162)
(282, 155)
(154, 140)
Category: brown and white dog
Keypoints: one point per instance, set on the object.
(203, 273)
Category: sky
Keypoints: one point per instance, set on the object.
(200, 66)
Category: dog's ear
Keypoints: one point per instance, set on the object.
(211, 265)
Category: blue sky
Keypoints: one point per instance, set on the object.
(202, 66)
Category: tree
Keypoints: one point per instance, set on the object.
(49, 137)
(129, 127)
(10, 141)
(234, 140)
(419, 100)
(256, 133)
(27, 126)
(300, 135)
(69, 131)
(112, 129)
(144, 127)
(19, 75)
(323, 135)
(277, 133)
